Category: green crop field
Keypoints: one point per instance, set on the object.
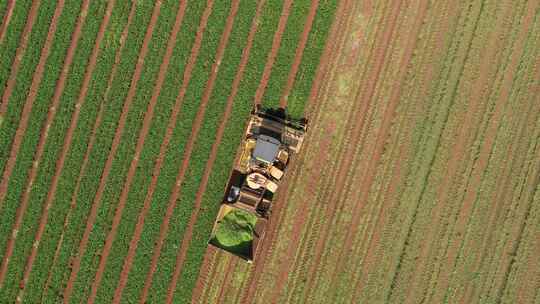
(119, 124)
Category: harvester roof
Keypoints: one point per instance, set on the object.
(266, 149)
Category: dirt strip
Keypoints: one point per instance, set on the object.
(208, 264)
(21, 210)
(227, 279)
(138, 149)
(456, 156)
(187, 153)
(90, 144)
(274, 51)
(27, 109)
(385, 127)
(116, 141)
(364, 97)
(186, 240)
(299, 53)
(23, 44)
(250, 286)
(6, 19)
(67, 140)
(482, 161)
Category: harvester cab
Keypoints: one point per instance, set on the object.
(270, 140)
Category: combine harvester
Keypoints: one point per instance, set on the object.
(269, 142)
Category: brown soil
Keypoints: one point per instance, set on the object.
(229, 269)
(299, 53)
(457, 154)
(364, 97)
(27, 109)
(69, 134)
(236, 83)
(42, 140)
(7, 18)
(187, 152)
(133, 166)
(274, 51)
(385, 128)
(480, 166)
(205, 274)
(23, 44)
(253, 279)
(91, 142)
(116, 141)
(182, 251)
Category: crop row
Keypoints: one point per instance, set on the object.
(17, 183)
(27, 67)
(55, 140)
(68, 176)
(241, 109)
(9, 44)
(102, 146)
(140, 182)
(286, 53)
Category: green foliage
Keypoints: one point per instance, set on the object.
(235, 232)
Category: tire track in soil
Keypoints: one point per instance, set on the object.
(253, 279)
(457, 154)
(394, 274)
(365, 94)
(67, 141)
(21, 49)
(6, 19)
(323, 154)
(210, 258)
(512, 248)
(201, 284)
(299, 53)
(498, 199)
(227, 279)
(276, 42)
(21, 210)
(128, 262)
(149, 114)
(512, 244)
(187, 152)
(336, 172)
(307, 244)
(91, 142)
(116, 141)
(378, 150)
(186, 240)
(27, 109)
(397, 173)
(485, 153)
